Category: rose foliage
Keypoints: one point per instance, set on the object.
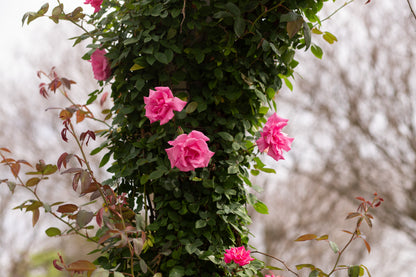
(208, 71)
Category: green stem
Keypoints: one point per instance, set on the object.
(264, 13)
(277, 259)
(334, 12)
(340, 254)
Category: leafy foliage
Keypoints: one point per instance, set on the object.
(226, 59)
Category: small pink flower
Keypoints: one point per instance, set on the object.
(160, 105)
(272, 140)
(189, 151)
(100, 65)
(96, 4)
(239, 255)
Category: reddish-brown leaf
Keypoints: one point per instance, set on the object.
(75, 181)
(8, 160)
(367, 245)
(62, 160)
(67, 208)
(24, 162)
(99, 217)
(80, 116)
(15, 169)
(103, 98)
(352, 215)
(5, 149)
(360, 198)
(67, 83)
(35, 217)
(55, 84)
(306, 237)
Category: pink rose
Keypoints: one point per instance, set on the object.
(189, 151)
(272, 140)
(100, 65)
(239, 255)
(160, 105)
(96, 4)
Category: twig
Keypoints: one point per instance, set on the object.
(183, 13)
(411, 9)
(277, 259)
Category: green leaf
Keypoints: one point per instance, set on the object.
(317, 51)
(239, 26)
(100, 272)
(226, 136)
(334, 247)
(161, 57)
(314, 273)
(177, 271)
(32, 182)
(84, 217)
(233, 9)
(105, 159)
(260, 207)
(200, 223)
(307, 35)
(290, 16)
(354, 271)
(330, 38)
(136, 67)
(53, 231)
(270, 92)
(118, 274)
(157, 174)
(191, 107)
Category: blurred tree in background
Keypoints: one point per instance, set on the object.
(355, 118)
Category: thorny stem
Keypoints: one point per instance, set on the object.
(277, 259)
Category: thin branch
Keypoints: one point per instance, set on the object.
(411, 9)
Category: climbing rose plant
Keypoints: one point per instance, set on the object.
(208, 71)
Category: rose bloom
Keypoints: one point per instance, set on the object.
(273, 140)
(96, 4)
(100, 65)
(239, 255)
(160, 105)
(189, 151)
